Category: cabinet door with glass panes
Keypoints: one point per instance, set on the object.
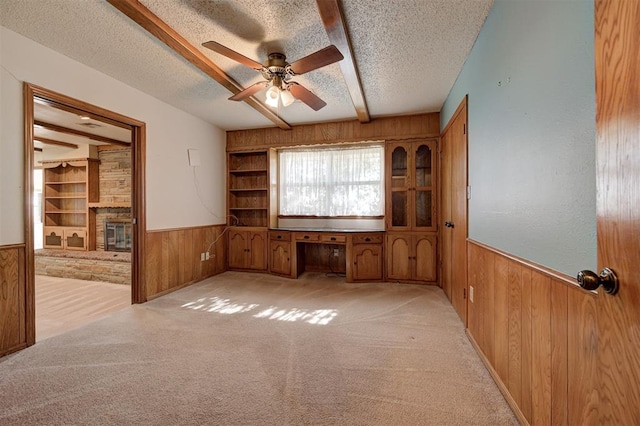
(411, 186)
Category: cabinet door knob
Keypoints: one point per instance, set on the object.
(333, 238)
(607, 279)
(367, 239)
(279, 237)
(306, 237)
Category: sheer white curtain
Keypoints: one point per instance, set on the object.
(332, 181)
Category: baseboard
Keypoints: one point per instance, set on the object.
(496, 378)
(181, 286)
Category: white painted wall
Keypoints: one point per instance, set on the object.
(172, 198)
(531, 84)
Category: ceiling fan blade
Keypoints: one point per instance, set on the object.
(249, 91)
(316, 60)
(232, 54)
(306, 96)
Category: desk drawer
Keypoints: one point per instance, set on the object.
(307, 236)
(368, 238)
(333, 238)
(280, 235)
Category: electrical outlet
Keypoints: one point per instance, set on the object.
(471, 293)
(206, 255)
(201, 257)
(336, 252)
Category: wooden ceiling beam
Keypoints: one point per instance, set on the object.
(80, 112)
(48, 141)
(163, 32)
(68, 131)
(334, 24)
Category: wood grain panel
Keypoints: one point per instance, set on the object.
(173, 257)
(487, 275)
(501, 323)
(514, 383)
(526, 344)
(582, 365)
(153, 263)
(12, 300)
(618, 173)
(384, 128)
(541, 349)
(559, 354)
(537, 335)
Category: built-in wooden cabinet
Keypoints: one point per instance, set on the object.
(411, 257)
(365, 257)
(411, 186)
(248, 195)
(248, 248)
(411, 189)
(280, 253)
(69, 187)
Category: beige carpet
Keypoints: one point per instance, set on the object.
(251, 349)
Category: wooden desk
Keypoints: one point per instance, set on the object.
(357, 254)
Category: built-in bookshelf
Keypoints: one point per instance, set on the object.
(248, 188)
(69, 187)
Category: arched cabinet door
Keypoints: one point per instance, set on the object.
(398, 186)
(411, 186)
(425, 258)
(423, 190)
(399, 256)
(280, 255)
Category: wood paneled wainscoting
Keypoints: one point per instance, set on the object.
(536, 332)
(12, 298)
(173, 257)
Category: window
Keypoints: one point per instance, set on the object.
(332, 181)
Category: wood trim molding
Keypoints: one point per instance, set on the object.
(68, 131)
(186, 228)
(29, 271)
(76, 111)
(335, 25)
(138, 13)
(559, 276)
(496, 378)
(48, 141)
(138, 147)
(463, 103)
(96, 111)
(417, 126)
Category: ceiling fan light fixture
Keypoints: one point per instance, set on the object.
(273, 94)
(287, 97)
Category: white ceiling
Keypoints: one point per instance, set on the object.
(408, 52)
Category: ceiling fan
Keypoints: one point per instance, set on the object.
(278, 74)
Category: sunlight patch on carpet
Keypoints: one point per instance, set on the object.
(227, 307)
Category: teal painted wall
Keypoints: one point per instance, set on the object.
(531, 85)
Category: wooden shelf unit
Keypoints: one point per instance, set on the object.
(248, 194)
(69, 187)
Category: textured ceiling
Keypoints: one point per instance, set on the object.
(408, 52)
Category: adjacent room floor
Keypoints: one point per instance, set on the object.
(63, 304)
(248, 349)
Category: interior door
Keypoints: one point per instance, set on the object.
(446, 235)
(618, 207)
(454, 200)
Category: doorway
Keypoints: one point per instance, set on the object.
(454, 210)
(72, 212)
